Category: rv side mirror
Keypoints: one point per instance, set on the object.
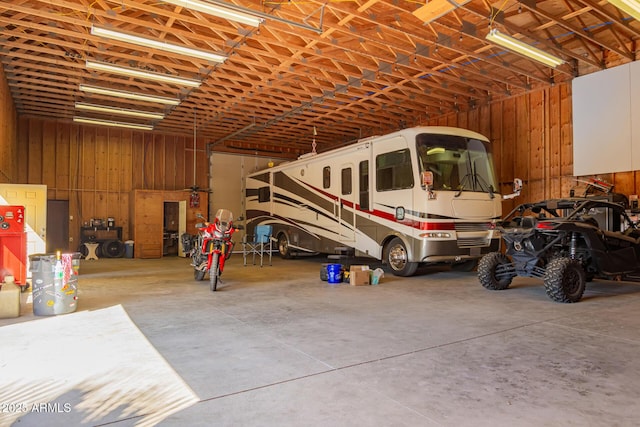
(517, 188)
(517, 185)
(399, 213)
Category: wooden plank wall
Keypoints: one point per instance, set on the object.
(532, 139)
(95, 168)
(8, 132)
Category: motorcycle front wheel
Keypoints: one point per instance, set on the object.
(213, 272)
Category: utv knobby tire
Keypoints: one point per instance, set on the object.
(564, 280)
(487, 272)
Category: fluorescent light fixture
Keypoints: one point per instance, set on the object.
(524, 49)
(157, 44)
(129, 95)
(218, 10)
(117, 110)
(631, 7)
(89, 121)
(132, 72)
(435, 9)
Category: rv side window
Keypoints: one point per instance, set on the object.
(393, 171)
(326, 177)
(264, 194)
(346, 181)
(364, 185)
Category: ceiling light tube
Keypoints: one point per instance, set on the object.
(219, 11)
(129, 95)
(631, 7)
(117, 110)
(132, 72)
(524, 49)
(89, 121)
(157, 44)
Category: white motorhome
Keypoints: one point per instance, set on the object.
(416, 196)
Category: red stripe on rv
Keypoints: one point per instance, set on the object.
(389, 216)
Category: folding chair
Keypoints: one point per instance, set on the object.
(259, 244)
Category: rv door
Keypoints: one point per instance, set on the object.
(345, 205)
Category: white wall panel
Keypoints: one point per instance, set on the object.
(227, 180)
(634, 72)
(602, 122)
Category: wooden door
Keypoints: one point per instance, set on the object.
(148, 223)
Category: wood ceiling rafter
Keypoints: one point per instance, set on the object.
(560, 21)
(514, 30)
(347, 82)
(373, 67)
(522, 77)
(449, 64)
(611, 16)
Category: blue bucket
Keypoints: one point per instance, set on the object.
(334, 273)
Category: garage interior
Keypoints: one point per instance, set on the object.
(276, 345)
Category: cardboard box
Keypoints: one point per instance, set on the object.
(359, 275)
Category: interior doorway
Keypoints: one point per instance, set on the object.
(171, 229)
(57, 225)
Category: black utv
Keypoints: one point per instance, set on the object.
(565, 242)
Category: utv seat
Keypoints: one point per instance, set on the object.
(529, 222)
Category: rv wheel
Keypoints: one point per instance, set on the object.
(283, 246)
(398, 258)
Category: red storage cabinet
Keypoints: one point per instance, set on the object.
(13, 244)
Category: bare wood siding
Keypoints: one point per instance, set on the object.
(96, 168)
(532, 140)
(8, 134)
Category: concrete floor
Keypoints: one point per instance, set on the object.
(275, 346)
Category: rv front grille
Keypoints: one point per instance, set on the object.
(473, 226)
(472, 242)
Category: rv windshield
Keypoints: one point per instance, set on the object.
(457, 163)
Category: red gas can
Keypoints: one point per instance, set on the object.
(13, 244)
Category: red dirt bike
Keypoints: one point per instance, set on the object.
(212, 246)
